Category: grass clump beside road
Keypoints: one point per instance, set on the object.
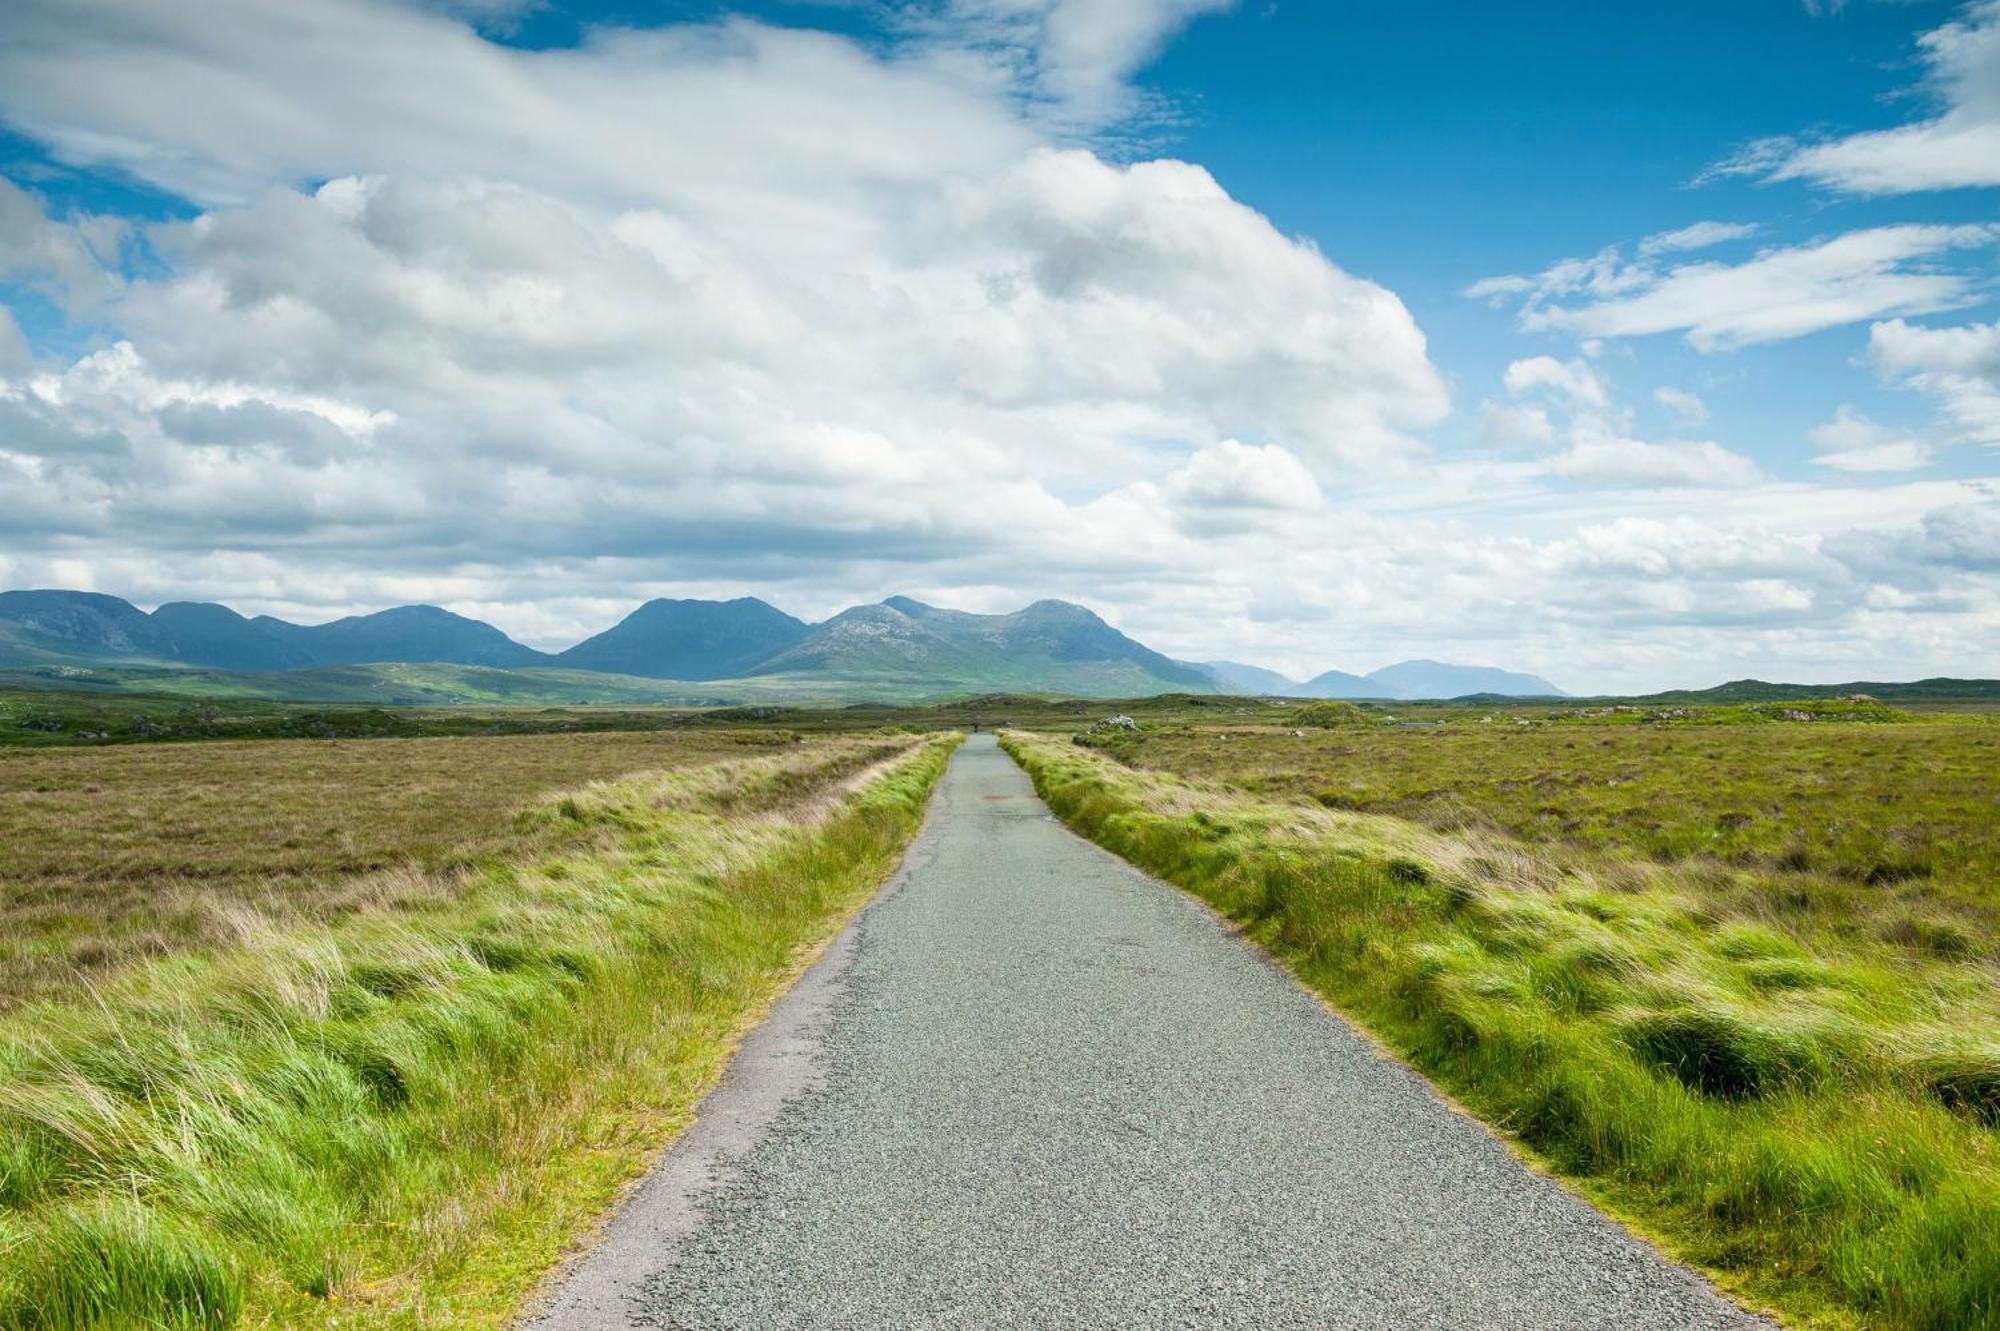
(399, 1115)
(1738, 1057)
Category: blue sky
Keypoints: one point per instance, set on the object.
(1633, 345)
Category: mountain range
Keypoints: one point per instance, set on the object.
(740, 648)
(1404, 680)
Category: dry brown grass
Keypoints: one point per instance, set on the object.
(111, 854)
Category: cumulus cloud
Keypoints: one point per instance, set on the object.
(1573, 379)
(1780, 293)
(1688, 406)
(71, 261)
(1958, 366)
(1958, 538)
(706, 308)
(691, 299)
(1235, 475)
(1957, 148)
(1512, 425)
(1597, 452)
(15, 357)
(1852, 442)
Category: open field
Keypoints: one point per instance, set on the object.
(115, 853)
(82, 718)
(1906, 803)
(431, 1012)
(1738, 980)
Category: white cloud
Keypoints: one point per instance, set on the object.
(1510, 425)
(1780, 293)
(1901, 455)
(1852, 442)
(1072, 59)
(1959, 148)
(220, 101)
(1961, 537)
(1573, 379)
(1234, 475)
(1698, 236)
(720, 308)
(1599, 453)
(1688, 406)
(1959, 366)
(15, 358)
(73, 262)
(688, 298)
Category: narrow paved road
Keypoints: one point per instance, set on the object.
(1034, 1088)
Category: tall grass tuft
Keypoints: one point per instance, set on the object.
(112, 1264)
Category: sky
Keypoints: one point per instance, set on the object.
(1634, 346)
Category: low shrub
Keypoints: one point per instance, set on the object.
(1330, 715)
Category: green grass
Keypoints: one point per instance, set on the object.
(79, 715)
(398, 1117)
(1874, 803)
(1750, 1062)
(436, 684)
(117, 853)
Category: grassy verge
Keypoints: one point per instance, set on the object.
(1808, 1113)
(400, 1117)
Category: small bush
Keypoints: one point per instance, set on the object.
(1329, 715)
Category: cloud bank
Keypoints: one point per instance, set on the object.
(715, 307)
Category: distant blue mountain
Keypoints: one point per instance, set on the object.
(1047, 647)
(42, 626)
(1254, 681)
(1340, 684)
(1435, 679)
(689, 640)
(1404, 680)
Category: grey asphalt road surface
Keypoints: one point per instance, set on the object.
(1032, 1087)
